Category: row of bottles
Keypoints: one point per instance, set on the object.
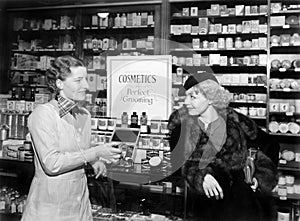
(11, 201)
(27, 94)
(134, 120)
(124, 20)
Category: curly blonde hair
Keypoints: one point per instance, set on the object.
(60, 69)
(214, 92)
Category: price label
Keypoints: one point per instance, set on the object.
(281, 161)
(289, 113)
(286, 26)
(297, 69)
(282, 69)
(286, 89)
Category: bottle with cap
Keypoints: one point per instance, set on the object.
(143, 122)
(134, 120)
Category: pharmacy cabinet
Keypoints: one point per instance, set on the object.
(227, 39)
(35, 38)
(112, 31)
(284, 87)
(39, 35)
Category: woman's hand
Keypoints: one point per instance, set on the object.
(99, 168)
(108, 153)
(212, 188)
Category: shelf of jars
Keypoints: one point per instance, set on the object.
(118, 20)
(214, 34)
(210, 9)
(288, 167)
(284, 126)
(216, 49)
(45, 50)
(119, 28)
(287, 11)
(12, 203)
(219, 68)
(284, 76)
(30, 85)
(41, 29)
(177, 16)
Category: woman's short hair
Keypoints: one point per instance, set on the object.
(215, 93)
(60, 69)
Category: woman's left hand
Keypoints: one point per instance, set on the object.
(212, 188)
(99, 168)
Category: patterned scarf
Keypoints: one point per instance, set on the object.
(64, 105)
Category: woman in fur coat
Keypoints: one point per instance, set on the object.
(210, 143)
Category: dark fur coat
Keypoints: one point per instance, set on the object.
(187, 141)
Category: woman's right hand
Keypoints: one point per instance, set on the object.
(107, 152)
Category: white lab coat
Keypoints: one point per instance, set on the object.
(59, 189)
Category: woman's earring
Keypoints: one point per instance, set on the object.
(59, 84)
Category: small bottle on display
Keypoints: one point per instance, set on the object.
(138, 19)
(13, 208)
(124, 119)
(143, 122)
(2, 204)
(14, 94)
(150, 20)
(134, 120)
(110, 22)
(23, 93)
(123, 20)
(32, 95)
(117, 21)
(105, 22)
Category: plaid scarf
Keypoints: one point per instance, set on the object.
(64, 105)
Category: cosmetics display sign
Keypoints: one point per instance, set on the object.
(139, 84)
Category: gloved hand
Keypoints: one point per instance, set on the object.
(249, 170)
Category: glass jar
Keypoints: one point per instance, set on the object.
(221, 43)
(229, 43)
(254, 59)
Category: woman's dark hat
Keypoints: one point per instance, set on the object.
(195, 79)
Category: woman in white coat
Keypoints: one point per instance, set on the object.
(61, 132)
